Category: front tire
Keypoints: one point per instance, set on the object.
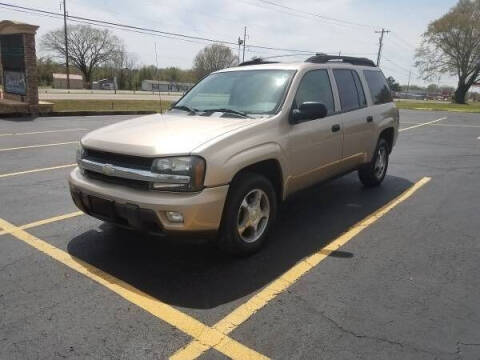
(249, 213)
(373, 173)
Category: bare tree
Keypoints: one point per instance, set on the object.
(451, 45)
(88, 47)
(213, 58)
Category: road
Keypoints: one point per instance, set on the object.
(349, 273)
(55, 94)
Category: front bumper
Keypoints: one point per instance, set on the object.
(146, 210)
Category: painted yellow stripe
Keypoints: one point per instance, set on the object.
(423, 124)
(47, 221)
(43, 132)
(200, 332)
(38, 146)
(262, 298)
(37, 170)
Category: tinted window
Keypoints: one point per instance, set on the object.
(315, 86)
(361, 93)
(378, 87)
(347, 90)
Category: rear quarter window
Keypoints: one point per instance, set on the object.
(347, 89)
(378, 86)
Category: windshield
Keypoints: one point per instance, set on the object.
(247, 91)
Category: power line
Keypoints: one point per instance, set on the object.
(404, 41)
(118, 24)
(140, 29)
(315, 14)
(56, 16)
(400, 66)
(152, 32)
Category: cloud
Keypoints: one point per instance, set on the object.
(267, 25)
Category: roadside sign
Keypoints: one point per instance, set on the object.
(14, 82)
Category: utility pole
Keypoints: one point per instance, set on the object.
(380, 43)
(244, 42)
(66, 42)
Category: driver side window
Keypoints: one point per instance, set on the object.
(315, 86)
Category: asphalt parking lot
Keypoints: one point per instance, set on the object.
(349, 273)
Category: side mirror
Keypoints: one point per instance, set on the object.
(309, 110)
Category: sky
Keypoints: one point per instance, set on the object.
(267, 25)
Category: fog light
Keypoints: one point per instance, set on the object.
(174, 216)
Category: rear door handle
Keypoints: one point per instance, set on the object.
(335, 127)
(369, 118)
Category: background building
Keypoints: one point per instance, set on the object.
(60, 81)
(165, 86)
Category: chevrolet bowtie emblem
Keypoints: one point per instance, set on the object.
(108, 169)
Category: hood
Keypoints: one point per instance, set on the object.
(158, 135)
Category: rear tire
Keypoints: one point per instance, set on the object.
(373, 173)
(249, 213)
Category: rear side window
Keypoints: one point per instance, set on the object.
(378, 87)
(351, 95)
(361, 93)
(315, 86)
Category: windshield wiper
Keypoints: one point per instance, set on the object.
(185, 108)
(229, 111)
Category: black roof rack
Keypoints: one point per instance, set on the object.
(323, 59)
(257, 61)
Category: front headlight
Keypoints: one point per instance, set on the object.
(80, 154)
(185, 173)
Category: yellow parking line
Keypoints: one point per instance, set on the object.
(37, 146)
(46, 221)
(43, 132)
(205, 335)
(262, 298)
(36, 170)
(422, 124)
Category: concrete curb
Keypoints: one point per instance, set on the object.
(76, 113)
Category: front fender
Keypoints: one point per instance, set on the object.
(222, 171)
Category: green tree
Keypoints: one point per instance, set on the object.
(433, 88)
(212, 58)
(451, 45)
(45, 68)
(393, 84)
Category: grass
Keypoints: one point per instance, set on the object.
(109, 105)
(438, 106)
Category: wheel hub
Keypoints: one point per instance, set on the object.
(381, 162)
(253, 215)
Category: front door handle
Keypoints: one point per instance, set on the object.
(369, 118)
(335, 127)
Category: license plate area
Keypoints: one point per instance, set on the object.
(102, 207)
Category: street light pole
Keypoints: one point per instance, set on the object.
(409, 77)
(240, 42)
(244, 42)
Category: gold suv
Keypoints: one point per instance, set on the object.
(239, 142)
